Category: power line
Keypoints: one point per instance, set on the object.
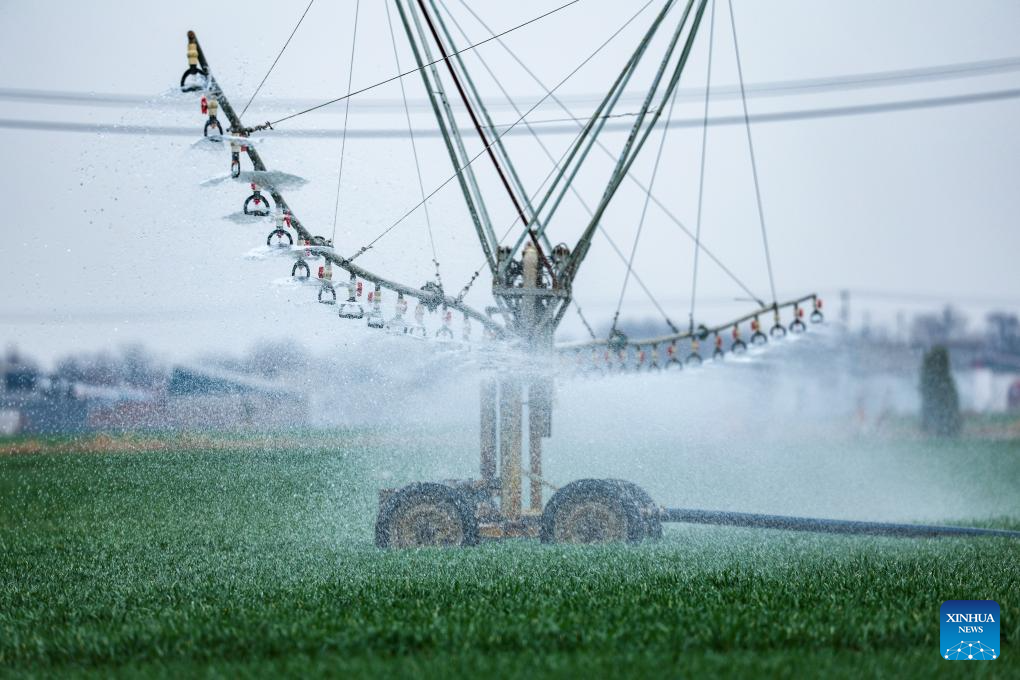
(416, 70)
(854, 81)
(847, 111)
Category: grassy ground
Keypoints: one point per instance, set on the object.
(258, 561)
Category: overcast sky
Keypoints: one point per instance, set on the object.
(115, 238)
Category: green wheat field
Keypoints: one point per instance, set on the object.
(237, 558)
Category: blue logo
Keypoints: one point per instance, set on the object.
(969, 630)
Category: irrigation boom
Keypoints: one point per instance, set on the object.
(532, 288)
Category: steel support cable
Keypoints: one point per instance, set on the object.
(448, 130)
(471, 113)
(282, 50)
(555, 162)
(580, 123)
(461, 169)
(639, 132)
(414, 147)
(512, 224)
(497, 146)
(701, 172)
(347, 111)
(416, 70)
(587, 325)
(644, 214)
(513, 174)
(593, 127)
(750, 147)
(549, 175)
(479, 103)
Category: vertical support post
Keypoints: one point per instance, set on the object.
(534, 454)
(529, 313)
(488, 430)
(539, 426)
(510, 411)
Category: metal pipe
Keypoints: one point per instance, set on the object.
(825, 526)
(666, 339)
(323, 251)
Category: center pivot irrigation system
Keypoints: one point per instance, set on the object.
(532, 284)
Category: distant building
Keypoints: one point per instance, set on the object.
(33, 403)
(208, 398)
(193, 398)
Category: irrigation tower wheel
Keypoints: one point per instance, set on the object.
(651, 518)
(424, 515)
(593, 511)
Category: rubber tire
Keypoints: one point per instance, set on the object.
(274, 232)
(652, 521)
(432, 492)
(581, 490)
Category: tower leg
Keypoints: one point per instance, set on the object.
(535, 461)
(510, 447)
(488, 430)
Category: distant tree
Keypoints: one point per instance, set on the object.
(935, 329)
(1004, 331)
(940, 403)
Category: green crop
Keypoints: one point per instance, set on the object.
(259, 561)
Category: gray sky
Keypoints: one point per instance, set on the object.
(111, 238)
